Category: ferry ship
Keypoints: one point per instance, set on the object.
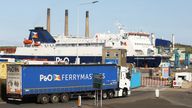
(42, 46)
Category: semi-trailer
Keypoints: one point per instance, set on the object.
(54, 83)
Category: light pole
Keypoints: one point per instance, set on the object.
(77, 60)
(87, 3)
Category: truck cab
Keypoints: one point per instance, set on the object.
(124, 82)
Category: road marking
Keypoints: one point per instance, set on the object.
(2, 102)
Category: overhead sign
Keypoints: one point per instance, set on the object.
(97, 80)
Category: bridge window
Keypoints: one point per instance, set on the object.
(107, 54)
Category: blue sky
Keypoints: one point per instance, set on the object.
(162, 17)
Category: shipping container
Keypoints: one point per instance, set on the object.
(135, 79)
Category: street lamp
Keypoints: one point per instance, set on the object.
(95, 1)
(87, 3)
(77, 60)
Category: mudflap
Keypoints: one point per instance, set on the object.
(3, 89)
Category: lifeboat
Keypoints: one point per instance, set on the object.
(37, 43)
(26, 41)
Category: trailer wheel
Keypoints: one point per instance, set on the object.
(54, 98)
(124, 93)
(43, 99)
(110, 94)
(64, 97)
(104, 95)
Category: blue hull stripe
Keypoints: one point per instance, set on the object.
(140, 61)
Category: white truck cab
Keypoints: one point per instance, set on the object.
(124, 82)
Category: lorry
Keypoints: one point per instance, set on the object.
(60, 83)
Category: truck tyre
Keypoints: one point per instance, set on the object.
(43, 99)
(54, 98)
(124, 93)
(104, 95)
(110, 94)
(64, 97)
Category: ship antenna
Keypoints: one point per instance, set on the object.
(120, 28)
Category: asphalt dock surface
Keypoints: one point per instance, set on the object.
(139, 98)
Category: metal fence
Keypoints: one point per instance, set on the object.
(154, 81)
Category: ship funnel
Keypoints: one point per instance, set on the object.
(153, 39)
(66, 22)
(173, 41)
(87, 24)
(48, 20)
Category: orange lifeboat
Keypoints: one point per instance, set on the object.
(37, 43)
(26, 41)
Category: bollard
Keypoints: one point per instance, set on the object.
(79, 101)
(157, 93)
